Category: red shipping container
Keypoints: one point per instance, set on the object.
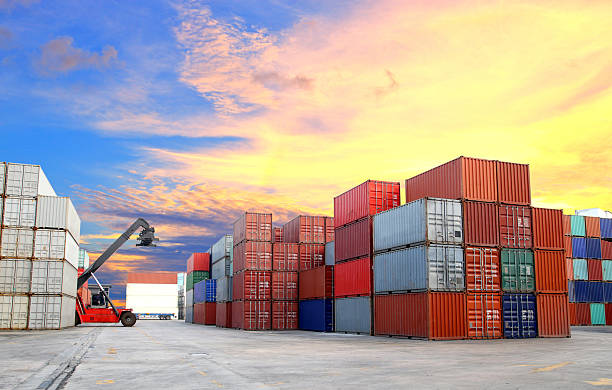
(569, 268)
(435, 316)
(367, 199)
(311, 256)
(198, 262)
(284, 315)
(595, 269)
(205, 313)
(484, 316)
(482, 269)
(353, 278)
(515, 226)
(252, 315)
(550, 271)
(513, 183)
(254, 227)
(462, 178)
(606, 250)
(329, 229)
(285, 257)
(223, 317)
(553, 315)
(608, 313)
(158, 277)
(567, 245)
(317, 283)
(199, 310)
(481, 223)
(252, 285)
(572, 314)
(583, 314)
(567, 225)
(592, 227)
(305, 229)
(284, 286)
(354, 240)
(547, 228)
(253, 255)
(278, 235)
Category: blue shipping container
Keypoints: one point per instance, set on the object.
(519, 313)
(211, 290)
(317, 315)
(593, 248)
(205, 291)
(571, 293)
(581, 291)
(605, 224)
(607, 288)
(578, 248)
(596, 292)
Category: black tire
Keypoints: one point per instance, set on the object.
(128, 319)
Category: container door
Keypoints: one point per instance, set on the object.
(444, 221)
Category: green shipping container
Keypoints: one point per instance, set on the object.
(581, 271)
(517, 270)
(598, 314)
(195, 277)
(606, 265)
(578, 226)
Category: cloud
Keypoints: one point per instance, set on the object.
(6, 37)
(60, 56)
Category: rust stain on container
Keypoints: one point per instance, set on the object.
(547, 228)
(553, 315)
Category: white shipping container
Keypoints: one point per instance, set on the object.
(83, 259)
(17, 243)
(2, 178)
(51, 311)
(330, 254)
(53, 277)
(152, 298)
(15, 276)
(54, 212)
(56, 245)
(19, 212)
(222, 248)
(14, 311)
(27, 180)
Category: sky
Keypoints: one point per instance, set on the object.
(186, 113)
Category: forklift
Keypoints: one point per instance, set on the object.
(101, 309)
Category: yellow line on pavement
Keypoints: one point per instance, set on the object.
(550, 368)
(601, 382)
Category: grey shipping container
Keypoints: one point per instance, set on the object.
(420, 268)
(14, 311)
(27, 180)
(224, 289)
(51, 311)
(19, 212)
(189, 298)
(221, 268)
(2, 179)
(15, 276)
(53, 277)
(189, 314)
(17, 243)
(222, 248)
(330, 255)
(353, 314)
(431, 220)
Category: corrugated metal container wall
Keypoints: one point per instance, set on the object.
(252, 285)
(254, 227)
(330, 254)
(447, 316)
(51, 311)
(571, 291)
(598, 314)
(189, 298)
(311, 256)
(583, 314)
(608, 313)
(547, 228)
(17, 243)
(567, 246)
(2, 175)
(424, 220)
(19, 212)
(14, 311)
(198, 262)
(354, 240)
(252, 315)
(195, 277)
(401, 315)
(592, 228)
(222, 248)
(152, 277)
(285, 257)
(53, 277)
(606, 227)
(284, 315)
(316, 283)
(481, 223)
(606, 266)
(593, 248)
(595, 291)
(189, 314)
(317, 315)
(517, 270)
(367, 199)
(27, 180)
(462, 178)
(553, 316)
(199, 312)
(223, 318)
(581, 290)
(305, 229)
(578, 225)
(285, 286)
(482, 269)
(567, 225)
(220, 269)
(253, 255)
(520, 320)
(579, 248)
(353, 315)
(15, 276)
(433, 267)
(606, 250)
(56, 245)
(569, 268)
(58, 213)
(278, 235)
(515, 226)
(224, 289)
(550, 271)
(353, 278)
(572, 314)
(329, 229)
(513, 184)
(595, 270)
(484, 316)
(607, 289)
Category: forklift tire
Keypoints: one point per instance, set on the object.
(128, 319)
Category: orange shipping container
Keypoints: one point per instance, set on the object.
(567, 225)
(285, 257)
(572, 314)
(547, 228)
(484, 316)
(198, 262)
(515, 226)
(553, 315)
(513, 183)
(567, 245)
(550, 271)
(480, 223)
(152, 277)
(305, 229)
(569, 268)
(284, 315)
(592, 227)
(317, 283)
(482, 269)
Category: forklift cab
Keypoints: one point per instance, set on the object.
(98, 299)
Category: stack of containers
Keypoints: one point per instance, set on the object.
(180, 282)
(39, 251)
(278, 235)
(222, 253)
(198, 268)
(316, 294)
(204, 302)
(252, 279)
(84, 292)
(353, 211)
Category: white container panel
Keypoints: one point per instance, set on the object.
(51, 311)
(14, 311)
(19, 212)
(189, 298)
(222, 248)
(27, 180)
(68, 311)
(151, 290)
(17, 243)
(446, 268)
(330, 254)
(56, 245)
(53, 277)
(83, 259)
(15, 276)
(2, 180)
(444, 221)
(58, 213)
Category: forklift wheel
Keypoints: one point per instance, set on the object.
(128, 319)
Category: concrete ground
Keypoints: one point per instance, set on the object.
(174, 355)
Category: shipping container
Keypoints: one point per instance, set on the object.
(53, 277)
(56, 245)
(253, 255)
(83, 259)
(17, 243)
(305, 229)
(578, 225)
(145, 298)
(210, 313)
(330, 254)
(547, 228)
(15, 276)
(198, 262)
(189, 314)
(595, 269)
(592, 228)
(567, 246)
(199, 312)
(567, 225)
(579, 248)
(434, 316)
(316, 315)
(278, 235)
(252, 315)
(2, 176)
(515, 226)
(353, 240)
(223, 318)
(222, 249)
(462, 178)
(419, 268)
(517, 270)
(606, 249)
(364, 200)
(317, 283)
(605, 225)
(482, 269)
(353, 278)
(553, 316)
(19, 212)
(205, 291)
(569, 268)
(58, 213)
(550, 271)
(595, 292)
(188, 298)
(353, 315)
(254, 285)
(224, 289)
(253, 227)
(572, 314)
(481, 223)
(14, 311)
(329, 229)
(311, 256)
(152, 277)
(583, 314)
(607, 292)
(598, 314)
(427, 220)
(195, 277)
(484, 316)
(284, 315)
(513, 185)
(581, 270)
(608, 313)
(285, 286)
(571, 291)
(221, 268)
(27, 181)
(606, 266)
(285, 257)
(51, 311)
(593, 248)
(519, 312)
